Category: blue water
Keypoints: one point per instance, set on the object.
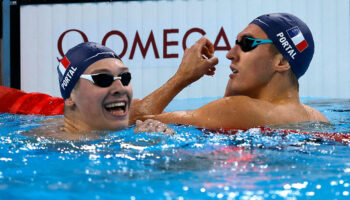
(192, 164)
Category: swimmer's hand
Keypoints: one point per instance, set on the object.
(151, 125)
(197, 61)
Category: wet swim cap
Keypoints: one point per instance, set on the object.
(292, 38)
(76, 61)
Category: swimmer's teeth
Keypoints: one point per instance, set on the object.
(116, 108)
(117, 112)
(112, 105)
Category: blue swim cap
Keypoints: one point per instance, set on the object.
(76, 61)
(292, 38)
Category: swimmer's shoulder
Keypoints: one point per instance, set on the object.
(314, 114)
(243, 107)
(245, 102)
(51, 128)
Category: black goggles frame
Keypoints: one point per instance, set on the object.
(248, 43)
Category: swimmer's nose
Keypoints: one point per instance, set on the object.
(233, 53)
(118, 88)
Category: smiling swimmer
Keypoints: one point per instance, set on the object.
(95, 86)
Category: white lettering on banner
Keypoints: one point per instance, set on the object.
(68, 77)
(285, 44)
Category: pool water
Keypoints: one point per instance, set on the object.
(192, 164)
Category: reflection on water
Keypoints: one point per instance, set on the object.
(260, 163)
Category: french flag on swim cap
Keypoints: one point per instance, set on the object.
(63, 65)
(297, 38)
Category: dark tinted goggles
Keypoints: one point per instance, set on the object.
(248, 43)
(106, 80)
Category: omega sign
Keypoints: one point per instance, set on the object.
(137, 43)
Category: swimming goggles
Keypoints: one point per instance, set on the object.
(248, 43)
(106, 80)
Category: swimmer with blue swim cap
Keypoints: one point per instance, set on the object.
(269, 57)
(95, 85)
(291, 37)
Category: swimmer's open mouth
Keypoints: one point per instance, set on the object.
(116, 109)
(233, 69)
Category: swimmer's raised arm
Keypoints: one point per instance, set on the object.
(197, 61)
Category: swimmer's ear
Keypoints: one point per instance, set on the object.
(281, 64)
(69, 102)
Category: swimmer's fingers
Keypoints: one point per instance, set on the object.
(211, 71)
(205, 53)
(213, 61)
(151, 125)
(169, 131)
(163, 128)
(194, 63)
(207, 48)
(211, 65)
(149, 121)
(144, 126)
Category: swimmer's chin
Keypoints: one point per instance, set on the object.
(54, 129)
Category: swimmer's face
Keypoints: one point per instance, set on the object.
(103, 108)
(251, 70)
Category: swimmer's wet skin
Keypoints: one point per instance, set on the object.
(262, 89)
(249, 164)
(269, 57)
(95, 86)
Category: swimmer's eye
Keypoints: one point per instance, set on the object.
(106, 80)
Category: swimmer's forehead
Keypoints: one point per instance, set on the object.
(254, 31)
(110, 65)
